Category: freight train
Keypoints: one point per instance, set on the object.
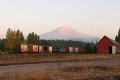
(29, 48)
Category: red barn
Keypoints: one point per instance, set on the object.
(108, 46)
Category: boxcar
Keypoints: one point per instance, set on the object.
(41, 49)
(62, 50)
(70, 49)
(22, 48)
(81, 50)
(46, 49)
(76, 49)
(34, 49)
(49, 49)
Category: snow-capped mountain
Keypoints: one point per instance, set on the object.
(67, 33)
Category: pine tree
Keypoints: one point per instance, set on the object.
(3, 45)
(0, 43)
(33, 38)
(95, 49)
(88, 48)
(117, 38)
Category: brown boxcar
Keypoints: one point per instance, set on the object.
(81, 50)
(49, 49)
(70, 49)
(34, 48)
(29, 47)
(45, 49)
(76, 49)
(22, 48)
(41, 49)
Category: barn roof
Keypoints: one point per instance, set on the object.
(113, 41)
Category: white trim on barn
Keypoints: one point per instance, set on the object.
(113, 49)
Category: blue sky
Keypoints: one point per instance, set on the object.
(92, 17)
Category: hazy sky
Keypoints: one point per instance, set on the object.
(92, 17)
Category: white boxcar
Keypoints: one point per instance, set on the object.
(23, 48)
(41, 49)
(50, 49)
(34, 48)
(76, 49)
(71, 49)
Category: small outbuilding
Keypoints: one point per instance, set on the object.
(108, 46)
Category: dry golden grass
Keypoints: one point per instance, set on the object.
(72, 73)
(11, 58)
(30, 76)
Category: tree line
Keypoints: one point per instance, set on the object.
(16, 37)
(117, 38)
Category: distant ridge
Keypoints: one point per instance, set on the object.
(68, 33)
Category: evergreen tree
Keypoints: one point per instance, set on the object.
(19, 38)
(62, 43)
(95, 49)
(88, 49)
(3, 47)
(33, 38)
(46, 42)
(117, 38)
(0, 44)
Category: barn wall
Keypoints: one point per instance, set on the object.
(117, 49)
(103, 46)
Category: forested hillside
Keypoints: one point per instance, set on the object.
(14, 38)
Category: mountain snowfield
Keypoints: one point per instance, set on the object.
(68, 33)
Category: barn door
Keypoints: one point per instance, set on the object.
(112, 49)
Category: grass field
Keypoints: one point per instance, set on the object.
(66, 73)
(23, 58)
(83, 72)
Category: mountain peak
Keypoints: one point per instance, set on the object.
(65, 27)
(65, 32)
